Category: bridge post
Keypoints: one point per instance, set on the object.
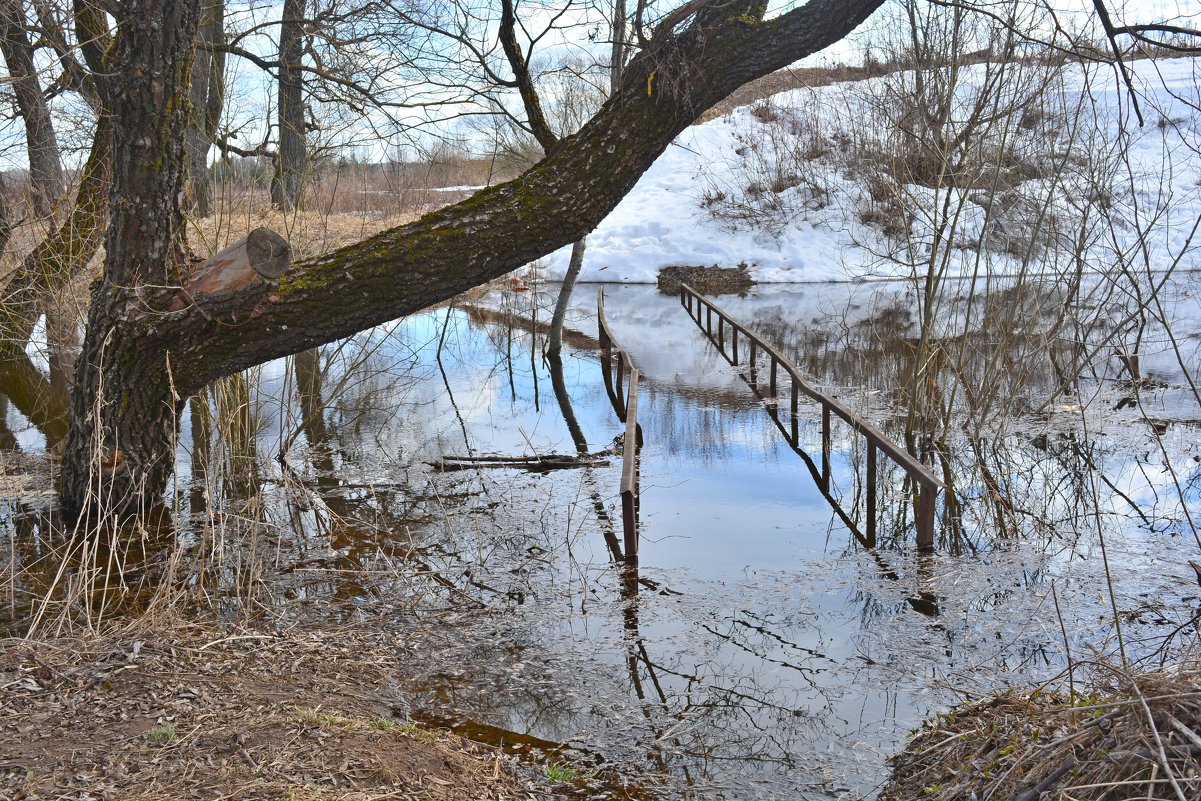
(826, 447)
(925, 518)
(796, 432)
(621, 377)
(629, 474)
(871, 493)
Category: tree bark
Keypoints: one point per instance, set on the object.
(35, 397)
(291, 163)
(45, 168)
(125, 408)
(141, 358)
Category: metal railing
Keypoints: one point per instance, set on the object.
(625, 403)
(703, 312)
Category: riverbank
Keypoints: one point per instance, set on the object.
(171, 709)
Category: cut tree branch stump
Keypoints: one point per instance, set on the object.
(262, 255)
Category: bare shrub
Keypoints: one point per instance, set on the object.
(775, 177)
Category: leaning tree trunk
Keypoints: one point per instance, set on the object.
(152, 341)
(291, 163)
(554, 341)
(45, 169)
(64, 253)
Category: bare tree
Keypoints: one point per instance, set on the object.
(208, 99)
(72, 241)
(45, 168)
(575, 264)
(291, 163)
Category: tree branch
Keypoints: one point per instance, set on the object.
(1112, 36)
(525, 83)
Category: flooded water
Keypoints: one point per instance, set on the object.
(761, 651)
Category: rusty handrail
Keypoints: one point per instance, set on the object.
(625, 404)
(919, 473)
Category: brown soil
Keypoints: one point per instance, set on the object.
(201, 712)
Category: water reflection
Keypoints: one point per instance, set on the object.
(760, 649)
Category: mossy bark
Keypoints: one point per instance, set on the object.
(140, 358)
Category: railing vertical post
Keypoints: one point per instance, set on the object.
(871, 493)
(796, 431)
(708, 319)
(751, 360)
(925, 518)
(721, 333)
(629, 474)
(629, 526)
(771, 385)
(826, 447)
(734, 343)
(621, 377)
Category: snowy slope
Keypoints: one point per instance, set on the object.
(1154, 193)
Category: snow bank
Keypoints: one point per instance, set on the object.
(664, 222)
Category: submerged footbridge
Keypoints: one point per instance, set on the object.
(777, 384)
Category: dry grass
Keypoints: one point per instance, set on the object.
(1137, 737)
(175, 710)
(310, 233)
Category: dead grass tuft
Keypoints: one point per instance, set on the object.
(1136, 737)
